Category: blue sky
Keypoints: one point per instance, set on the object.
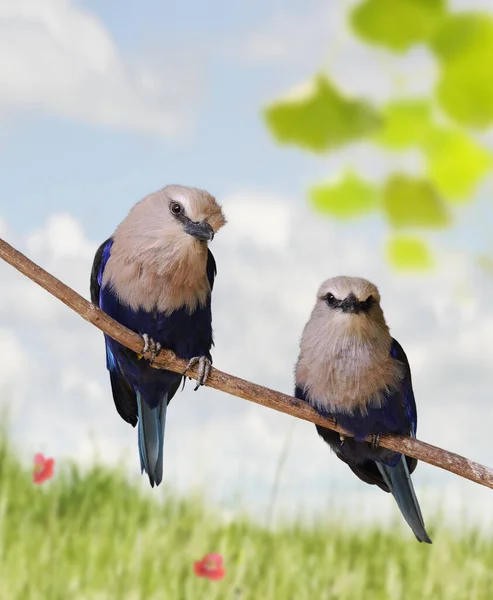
(102, 103)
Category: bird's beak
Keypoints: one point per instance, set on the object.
(201, 231)
(351, 304)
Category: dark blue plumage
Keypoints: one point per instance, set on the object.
(140, 392)
(379, 466)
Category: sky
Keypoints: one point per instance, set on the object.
(103, 103)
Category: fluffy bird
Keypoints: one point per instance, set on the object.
(351, 369)
(155, 275)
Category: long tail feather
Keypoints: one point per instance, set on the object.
(152, 422)
(398, 480)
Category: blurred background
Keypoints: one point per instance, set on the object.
(341, 137)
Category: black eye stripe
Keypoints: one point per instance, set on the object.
(364, 305)
(368, 303)
(332, 301)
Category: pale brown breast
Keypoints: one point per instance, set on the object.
(159, 280)
(343, 369)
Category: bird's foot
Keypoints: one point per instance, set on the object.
(151, 348)
(375, 441)
(203, 371)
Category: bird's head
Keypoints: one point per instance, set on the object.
(176, 216)
(350, 298)
(193, 211)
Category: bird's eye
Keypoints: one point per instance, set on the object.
(368, 303)
(330, 299)
(176, 208)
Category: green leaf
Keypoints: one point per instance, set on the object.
(320, 119)
(456, 162)
(464, 47)
(405, 123)
(409, 253)
(397, 24)
(410, 202)
(347, 198)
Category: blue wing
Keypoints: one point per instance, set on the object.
(407, 400)
(211, 268)
(100, 260)
(123, 392)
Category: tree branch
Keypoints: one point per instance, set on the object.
(234, 385)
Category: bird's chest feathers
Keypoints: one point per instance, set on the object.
(348, 373)
(162, 281)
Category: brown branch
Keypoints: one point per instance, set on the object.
(234, 385)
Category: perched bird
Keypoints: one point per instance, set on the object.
(155, 276)
(351, 369)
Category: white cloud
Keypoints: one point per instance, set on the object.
(470, 5)
(61, 238)
(13, 358)
(58, 58)
(264, 220)
(321, 39)
(61, 248)
(300, 38)
(74, 380)
(372, 73)
(263, 295)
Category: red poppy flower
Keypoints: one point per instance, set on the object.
(211, 566)
(43, 468)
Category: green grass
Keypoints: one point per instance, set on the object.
(95, 536)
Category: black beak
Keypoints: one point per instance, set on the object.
(351, 304)
(201, 231)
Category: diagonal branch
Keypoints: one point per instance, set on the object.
(234, 385)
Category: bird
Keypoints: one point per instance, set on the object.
(155, 275)
(351, 369)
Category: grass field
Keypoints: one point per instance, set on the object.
(95, 536)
